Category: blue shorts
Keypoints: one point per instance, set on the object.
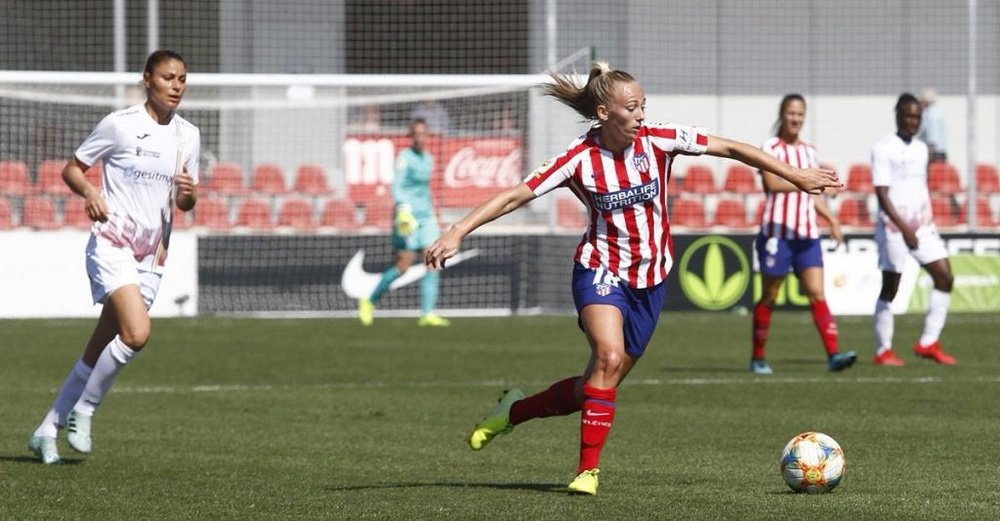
(776, 255)
(426, 233)
(640, 307)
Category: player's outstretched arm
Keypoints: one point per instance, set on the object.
(811, 180)
(497, 206)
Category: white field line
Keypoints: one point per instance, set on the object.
(655, 382)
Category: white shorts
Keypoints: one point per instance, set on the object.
(111, 267)
(892, 249)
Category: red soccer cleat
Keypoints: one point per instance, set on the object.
(934, 352)
(889, 358)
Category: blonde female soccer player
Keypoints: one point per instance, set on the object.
(150, 157)
(619, 169)
(789, 240)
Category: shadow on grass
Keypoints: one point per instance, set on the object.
(35, 460)
(536, 487)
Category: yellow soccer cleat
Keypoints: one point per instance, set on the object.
(498, 422)
(432, 320)
(585, 483)
(366, 311)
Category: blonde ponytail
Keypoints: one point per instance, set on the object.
(584, 100)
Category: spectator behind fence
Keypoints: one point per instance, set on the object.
(933, 129)
(434, 114)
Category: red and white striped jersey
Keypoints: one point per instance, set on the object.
(790, 215)
(626, 195)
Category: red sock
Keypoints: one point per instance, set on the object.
(826, 326)
(558, 400)
(595, 424)
(761, 326)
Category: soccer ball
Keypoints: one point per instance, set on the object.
(812, 462)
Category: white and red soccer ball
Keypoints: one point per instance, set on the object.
(812, 462)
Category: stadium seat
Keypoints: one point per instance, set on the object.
(758, 214)
(740, 180)
(297, 213)
(987, 181)
(688, 212)
(338, 213)
(854, 212)
(254, 213)
(182, 220)
(39, 213)
(943, 210)
(74, 214)
(731, 214)
(95, 174)
(14, 179)
(212, 213)
(942, 178)
(673, 186)
(6, 215)
(698, 180)
(268, 179)
(311, 180)
(378, 212)
(570, 213)
(50, 179)
(984, 215)
(859, 179)
(226, 179)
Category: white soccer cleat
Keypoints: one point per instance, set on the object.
(78, 432)
(45, 448)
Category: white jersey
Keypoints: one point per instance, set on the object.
(902, 167)
(140, 159)
(790, 215)
(626, 197)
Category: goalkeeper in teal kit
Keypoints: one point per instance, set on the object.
(415, 227)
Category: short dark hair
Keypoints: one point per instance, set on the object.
(905, 99)
(160, 56)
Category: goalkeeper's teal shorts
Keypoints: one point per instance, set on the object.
(426, 233)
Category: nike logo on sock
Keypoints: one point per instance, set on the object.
(593, 414)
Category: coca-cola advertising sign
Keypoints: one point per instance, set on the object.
(467, 170)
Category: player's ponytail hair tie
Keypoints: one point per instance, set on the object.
(584, 100)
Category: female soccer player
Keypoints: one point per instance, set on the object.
(619, 169)
(789, 238)
(415, 227)
(150, 157)
(905, 226)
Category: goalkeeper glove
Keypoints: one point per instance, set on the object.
(406, 223)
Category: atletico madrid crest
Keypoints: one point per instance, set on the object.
(641, 162)
(603, 290)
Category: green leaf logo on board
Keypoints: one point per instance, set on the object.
(720, 278)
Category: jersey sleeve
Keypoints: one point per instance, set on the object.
(678, 139)
(881, 168)
(98, 144)
(552, 173)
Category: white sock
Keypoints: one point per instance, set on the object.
(937, 312)
(884, 326)
(112, 359)
(69, 393)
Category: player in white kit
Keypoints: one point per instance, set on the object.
(150, 165)
(905, 226)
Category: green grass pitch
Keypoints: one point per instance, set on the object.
(324, 419)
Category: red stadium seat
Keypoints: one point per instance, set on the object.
(673, 186)
(50, 179)
(944, 212)
(6, 215)
(740, 180)
(854, 212)
(378, 212)
(731, 214)
(987, 181)
(338, 213)
(570, 213)
(254, 213)
(268, 179)
(942, 178)
(95, 174)
(859, 179)
(212, 213)
(39, 213)
(984, 216)
(74, 213)
(689, 212)
(698, 180)
(226, 179)
(311, 180)
(297, 213)
(14, 179)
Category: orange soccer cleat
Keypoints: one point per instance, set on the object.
(888, 358)
(934, 352)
